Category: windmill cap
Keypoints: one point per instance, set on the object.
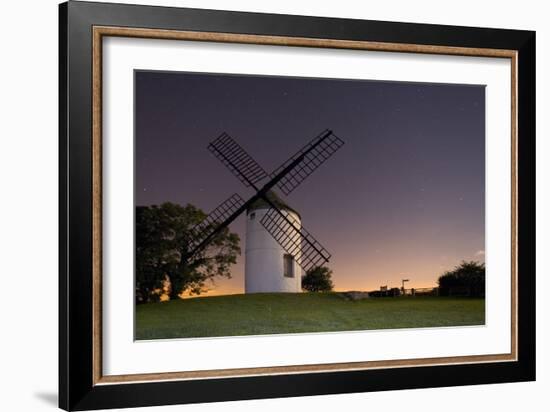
(275, 199)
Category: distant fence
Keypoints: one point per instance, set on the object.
(435, 291)
(385, 293)
(422, 292)
(394, 292)
(477, 291)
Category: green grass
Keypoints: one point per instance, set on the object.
(270, 313)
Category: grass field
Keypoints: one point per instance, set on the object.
(271, 313)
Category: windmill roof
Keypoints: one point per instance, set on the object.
(275, 199)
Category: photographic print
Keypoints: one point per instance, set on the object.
(290, 199)
(283, 205)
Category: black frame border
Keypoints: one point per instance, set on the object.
(76, 387)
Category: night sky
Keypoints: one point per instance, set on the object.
(403, 198)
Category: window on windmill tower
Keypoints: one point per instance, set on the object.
(288, 264)
(252, 216)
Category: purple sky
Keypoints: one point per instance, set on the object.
(404, 197)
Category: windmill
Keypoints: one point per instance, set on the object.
(282, 225)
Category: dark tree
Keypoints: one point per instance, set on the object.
(468, 278)
(318, 279)
(161, 242)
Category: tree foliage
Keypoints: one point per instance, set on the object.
(161, 242)
(318, 279)
(468, 278)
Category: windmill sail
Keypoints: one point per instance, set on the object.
(216, 220)
(237, 160)
(295, 239)
(288, 176)
(314, 154)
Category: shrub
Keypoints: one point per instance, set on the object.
(467, 279)
(318, 279)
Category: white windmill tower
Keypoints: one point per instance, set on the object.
(278, 247)
(268, 266)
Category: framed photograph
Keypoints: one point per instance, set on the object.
(256, 205)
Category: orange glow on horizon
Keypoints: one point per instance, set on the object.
(421, 274)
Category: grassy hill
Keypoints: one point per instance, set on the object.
(270, 313)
